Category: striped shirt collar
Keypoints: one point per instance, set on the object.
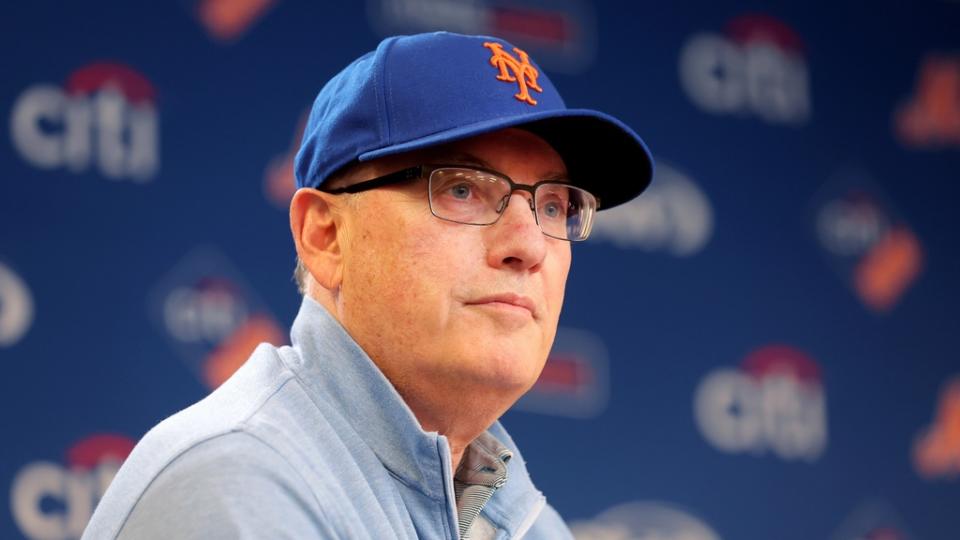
(482, 471)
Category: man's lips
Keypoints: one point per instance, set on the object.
(507, 300)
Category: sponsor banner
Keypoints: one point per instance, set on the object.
(54, 501)
(16, 307)
(279, 181)
(559, 35)
(210, 316)
(936, 450)
(227, 21)
(756, 67)
(103, 118)
(575, 381)
(866, 240)
(644, 520)
(930, 118)
(872, 520)
(774, 402)
(674, 216)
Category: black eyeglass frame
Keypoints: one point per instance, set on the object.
(424, 171)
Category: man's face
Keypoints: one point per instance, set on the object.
(447, 307)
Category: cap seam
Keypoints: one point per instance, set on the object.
(384, 95)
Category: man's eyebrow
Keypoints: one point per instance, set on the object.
(466, 158)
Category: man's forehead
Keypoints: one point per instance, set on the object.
(468, 152)
(466, 158)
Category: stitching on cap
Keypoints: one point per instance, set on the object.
(384, 95)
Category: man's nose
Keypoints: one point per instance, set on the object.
(515, 240)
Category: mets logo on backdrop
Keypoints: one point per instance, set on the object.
(775, 401)
(575, 381)
(756, 67)
(560, 34)
(210, 316)
(279, 181)
(931, 118)
(54, 501)
(868, 243)
(936, 451)
(227, 21)
(104, 118)
(513, 70)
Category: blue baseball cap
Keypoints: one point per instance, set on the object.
(423, 90)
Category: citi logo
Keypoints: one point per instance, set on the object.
(884, 533)
(872, 520)
(103, 118)
(53, 501)
(647, 520)
(16, 307)
(849, 225)
(756, 67)
(774, 402)
(205, 312)
(674, 216)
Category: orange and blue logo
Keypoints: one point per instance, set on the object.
(931, 118)
(54, 501)
(516, 70)
(869, 244)
(936, 451)
(103, 118)
(210, 317)
(229, 20)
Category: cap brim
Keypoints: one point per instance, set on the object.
(602, 154)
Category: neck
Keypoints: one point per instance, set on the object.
(460, 420)
(450, 409)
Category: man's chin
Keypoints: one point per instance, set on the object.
(508, 372)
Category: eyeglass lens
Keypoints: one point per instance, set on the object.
(475, 197)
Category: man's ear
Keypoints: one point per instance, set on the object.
(314, 222)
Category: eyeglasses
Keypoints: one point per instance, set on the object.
(476, 196)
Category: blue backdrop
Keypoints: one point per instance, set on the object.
(763, 346)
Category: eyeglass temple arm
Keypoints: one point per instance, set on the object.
(404, 175)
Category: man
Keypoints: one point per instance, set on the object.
(442, 181)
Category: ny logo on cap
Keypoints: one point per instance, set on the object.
(524, 74)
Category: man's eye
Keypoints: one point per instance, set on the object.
(553, 210)
(461, 191)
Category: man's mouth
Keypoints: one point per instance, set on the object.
(508, 302)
